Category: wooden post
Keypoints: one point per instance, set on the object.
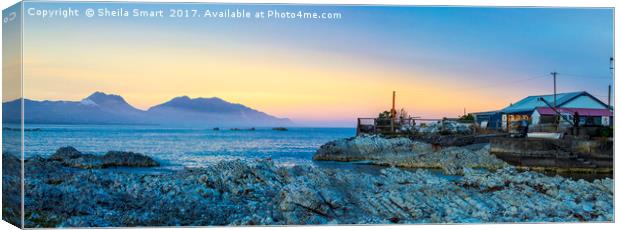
(508, 123)
(374, 126)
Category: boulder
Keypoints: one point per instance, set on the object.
(65, 153)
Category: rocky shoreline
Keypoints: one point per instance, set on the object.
(60, 193)
(403, 152)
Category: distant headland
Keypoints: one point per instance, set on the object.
(103, 108)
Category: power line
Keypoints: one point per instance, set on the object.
(586, 76)
(502, 83)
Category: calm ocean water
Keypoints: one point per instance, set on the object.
(177, 148)
(183, 147)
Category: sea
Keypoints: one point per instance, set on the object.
(180, 147)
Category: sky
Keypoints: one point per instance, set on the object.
(11, 55)
(440, 60)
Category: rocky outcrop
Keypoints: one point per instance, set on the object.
(403, 152)
(260, 193)
(11, 188)
(368, 148)
(127, 159)
(71, 157)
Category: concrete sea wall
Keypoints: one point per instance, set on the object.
(576, 155)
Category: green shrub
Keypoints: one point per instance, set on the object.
(607, 132)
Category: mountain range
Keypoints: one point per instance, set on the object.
(102, 108)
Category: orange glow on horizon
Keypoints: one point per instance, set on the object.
(302, 86)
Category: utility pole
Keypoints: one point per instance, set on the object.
(609, 97)
(554, 89)
(611, 69)
(393, 111)
(555, 105)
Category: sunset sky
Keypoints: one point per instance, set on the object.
(440, 60)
